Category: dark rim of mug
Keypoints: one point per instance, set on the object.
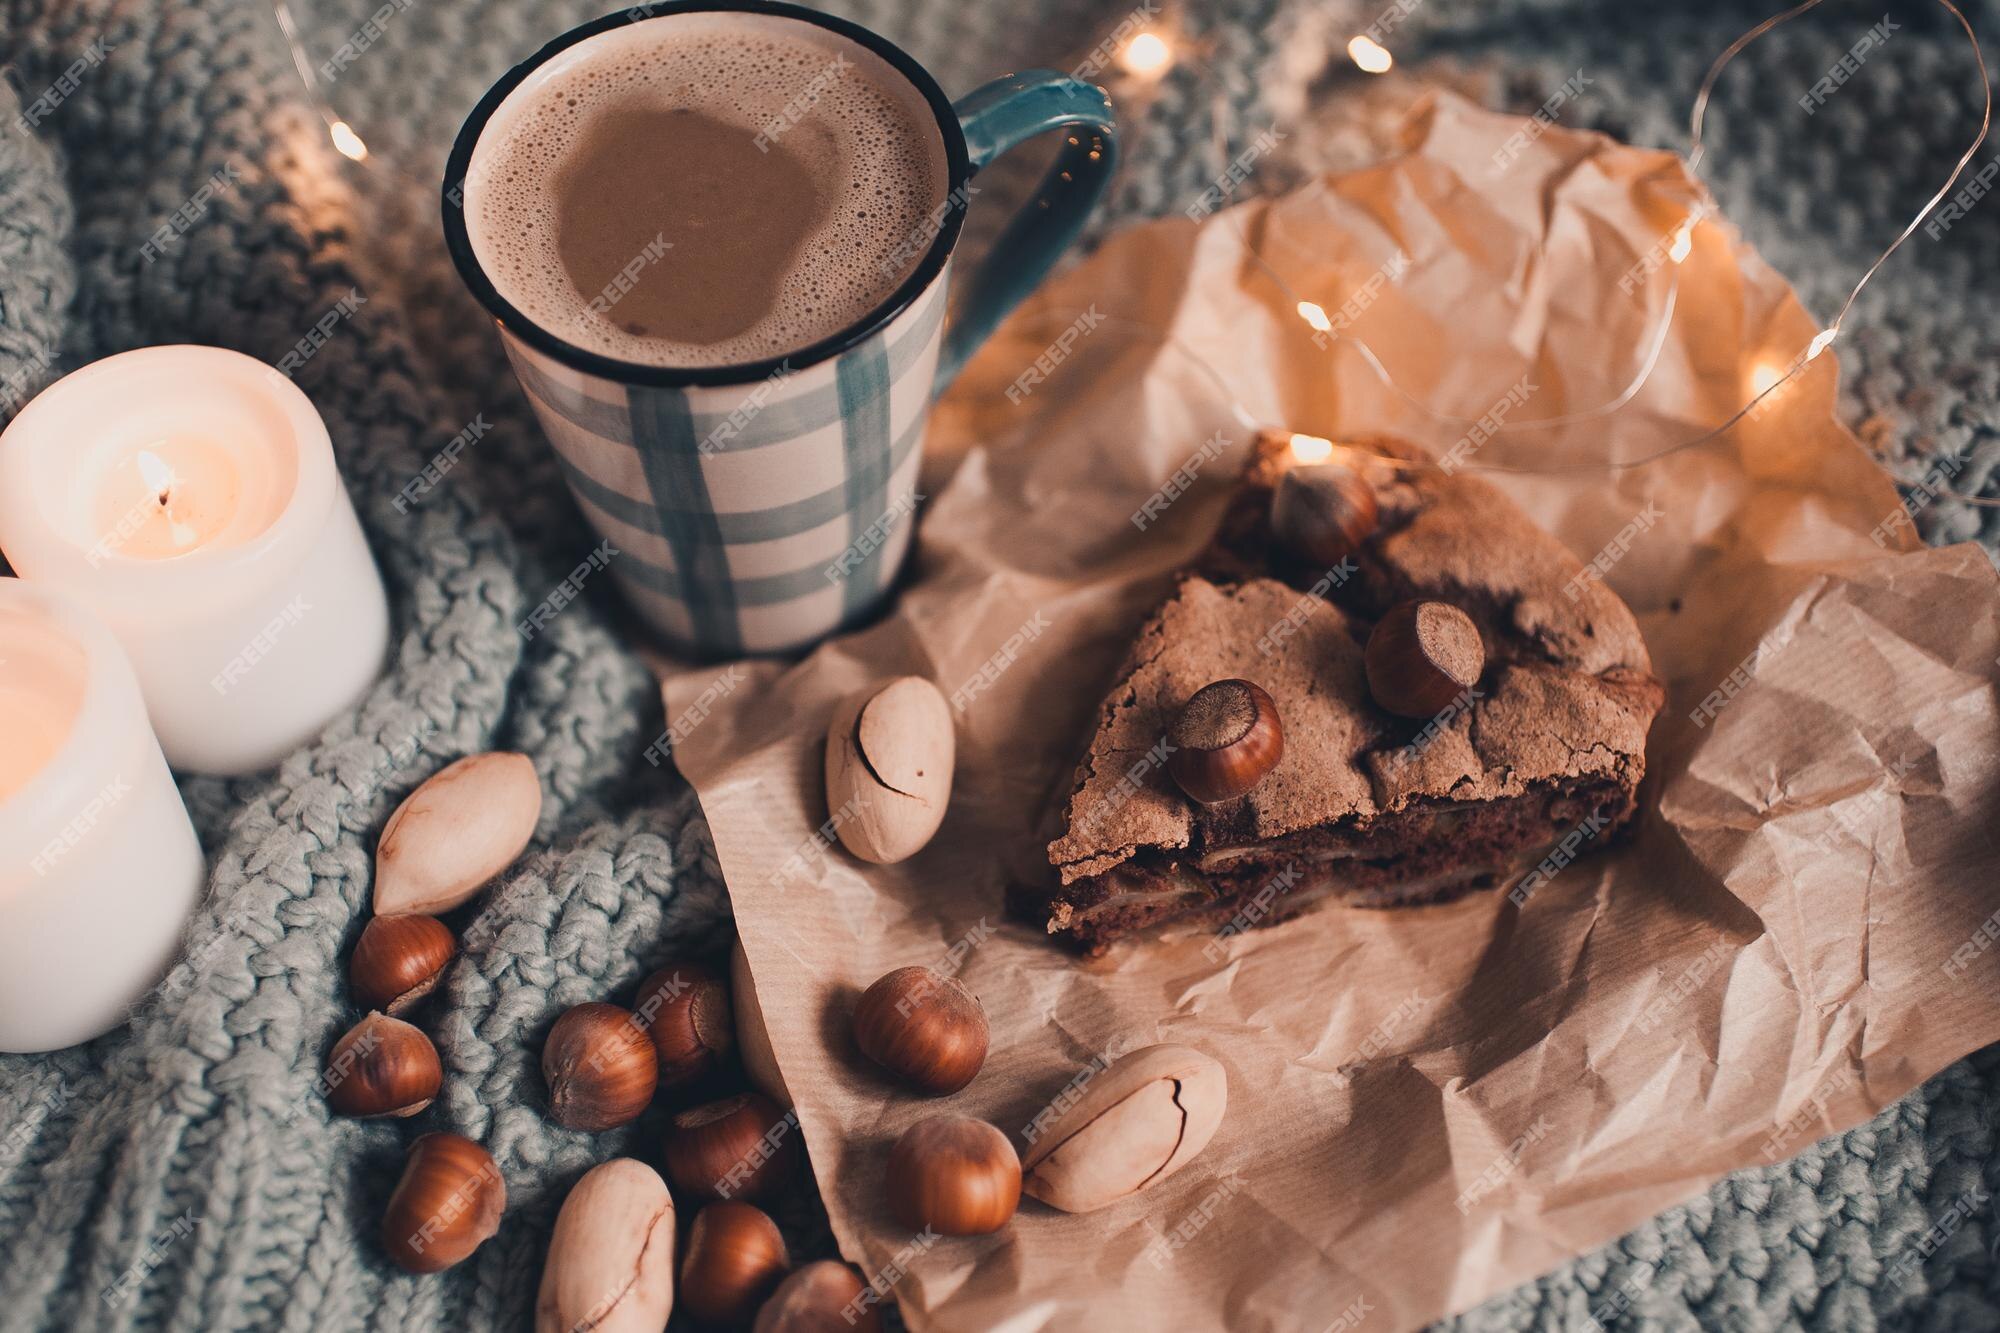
(458, 240)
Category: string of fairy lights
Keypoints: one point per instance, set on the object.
(1145, 56)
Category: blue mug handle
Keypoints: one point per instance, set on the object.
(996, 117)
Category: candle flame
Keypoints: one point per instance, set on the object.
(1311, 448)
(1146, 55)
(1369, 54)
(158, 477)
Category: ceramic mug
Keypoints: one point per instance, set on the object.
(757, 508)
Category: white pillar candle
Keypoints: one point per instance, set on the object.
(188, 496)
(99, 867)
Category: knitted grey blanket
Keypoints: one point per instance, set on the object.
(182, 1174)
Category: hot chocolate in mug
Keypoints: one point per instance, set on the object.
(761, 503)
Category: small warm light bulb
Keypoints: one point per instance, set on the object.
(1683, 243)
(1369, 54)
(347, 141)
(1820, 343)
(1146, 55)
(1315, 316)
(1765, 375)
(1311, 448)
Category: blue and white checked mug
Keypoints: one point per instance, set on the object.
(757, 508)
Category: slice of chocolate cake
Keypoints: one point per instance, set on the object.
(1364, 805)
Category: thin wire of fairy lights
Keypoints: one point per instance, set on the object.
(345, 140)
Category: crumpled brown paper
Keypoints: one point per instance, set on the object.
(1427, 1106)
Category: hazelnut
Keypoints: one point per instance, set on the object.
(1225, 739)
(383, 1066)
(686, 1012)
(822, 1297)
(1421, 656)
(601, 1067)
(735, 1258)
(742, 1147)
(926, 1029)
(447, 1203)
(955, 1174)
(399, 960)
(1322, 513)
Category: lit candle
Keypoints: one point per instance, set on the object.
(188, 495)
(99, 867)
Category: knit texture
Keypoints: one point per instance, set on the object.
(186, 1165)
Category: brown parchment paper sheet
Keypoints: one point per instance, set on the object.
(1426, 1106)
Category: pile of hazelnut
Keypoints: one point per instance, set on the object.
(1420, 656)
(611, 1256)
(613, 1245)
(1145, 1117)
(449, 838)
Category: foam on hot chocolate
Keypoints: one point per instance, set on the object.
(706, 189)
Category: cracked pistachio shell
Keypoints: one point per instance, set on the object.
(1139, 1121)
(462, 826)
(610, 1266)
(889, 756)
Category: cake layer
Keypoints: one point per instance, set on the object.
(1428, 852)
